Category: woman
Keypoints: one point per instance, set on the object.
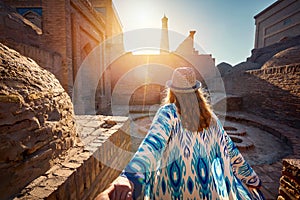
(186, 153)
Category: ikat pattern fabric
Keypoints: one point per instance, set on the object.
(174, 163)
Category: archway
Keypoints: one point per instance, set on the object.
(148, 94)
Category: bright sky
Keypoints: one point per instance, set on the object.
(224, 28)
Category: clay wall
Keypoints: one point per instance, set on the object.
(262, 55)
(289, 181)
(90, 166)
(272, 93)
(37, 121)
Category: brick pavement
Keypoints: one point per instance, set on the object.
(87, 167)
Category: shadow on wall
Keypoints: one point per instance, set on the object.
(272, 93)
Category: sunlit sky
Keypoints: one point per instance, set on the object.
(224, 28)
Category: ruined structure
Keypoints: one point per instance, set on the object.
(37, 121)
(277, 22)
(64, 37)
(289, 181)
(270, 76)
(289, 56)
(271, 84)
(268, 86)
(43, 155)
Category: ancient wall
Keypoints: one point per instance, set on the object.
(106, 9)
(29, 43)
(50, 61)
(262, 55)
(273, 93)
(152, 72)
(148, 94)
(12, 24)
(89, 167)
(88, 31)
(88, 37)
(37, 121)
(69, 30)
(54, 33)
(290, 180)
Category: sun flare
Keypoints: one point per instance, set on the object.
(144, 18)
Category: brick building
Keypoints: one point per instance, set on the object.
(65, 33)
(81, 43)
(277, 22)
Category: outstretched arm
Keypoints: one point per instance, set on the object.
(144, 162)
(138, 171)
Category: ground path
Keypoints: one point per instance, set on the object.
(270, 173)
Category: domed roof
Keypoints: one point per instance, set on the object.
(286, 57)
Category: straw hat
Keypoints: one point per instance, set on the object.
(183, 80)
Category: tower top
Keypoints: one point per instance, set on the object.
(164, 41)
(164, 18)
(164, 21)
(192, 33)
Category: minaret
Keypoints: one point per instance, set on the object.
(164, 40)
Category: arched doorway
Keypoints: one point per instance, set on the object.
(148, 94)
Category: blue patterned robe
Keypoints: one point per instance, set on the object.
(175, 163)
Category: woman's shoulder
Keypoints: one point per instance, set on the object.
(168, 106)
(169, 109)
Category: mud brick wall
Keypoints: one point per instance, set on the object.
(262, 55)
(290, 180)
(272, 93)
(36, 121)
(50, 61)
(90, 166)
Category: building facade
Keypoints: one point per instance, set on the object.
(140, 79)
(68, 31)
(81, 43)
(277, 22)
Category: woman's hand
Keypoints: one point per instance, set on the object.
(120, 189)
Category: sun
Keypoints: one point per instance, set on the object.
(140, 14)
(145, 19)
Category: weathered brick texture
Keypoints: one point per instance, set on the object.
(290, 180)
(37, 121)
(69, 32)
(273, 93)
(89, 167)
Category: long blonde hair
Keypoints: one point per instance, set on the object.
(194, 110)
